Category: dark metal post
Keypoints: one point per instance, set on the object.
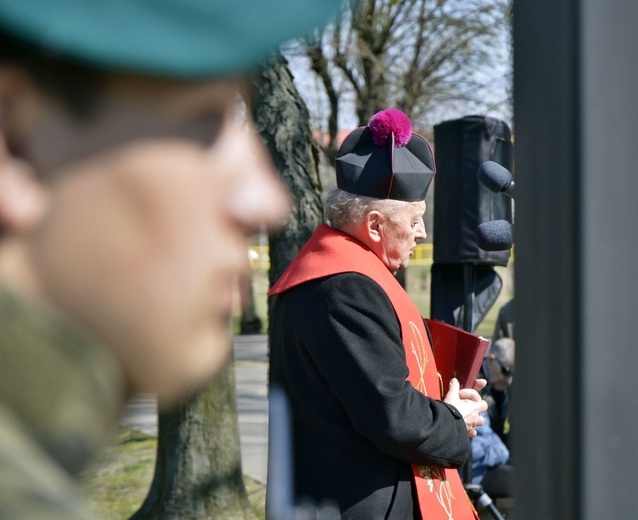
(576, 247)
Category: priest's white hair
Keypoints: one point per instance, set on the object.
(343, 209)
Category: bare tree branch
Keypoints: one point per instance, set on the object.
(419, 55)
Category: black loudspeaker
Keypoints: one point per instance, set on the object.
(461, 202)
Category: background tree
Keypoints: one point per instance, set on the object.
(282, 118)
(433, 59)
(198, 465)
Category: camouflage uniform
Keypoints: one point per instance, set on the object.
(60, 397)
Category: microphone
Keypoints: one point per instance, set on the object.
(495, 235)
(496, 178)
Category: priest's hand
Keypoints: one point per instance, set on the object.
(468, 402)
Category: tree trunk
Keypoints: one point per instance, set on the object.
(198, 467)
(282, 118)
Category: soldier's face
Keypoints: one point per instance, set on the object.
(143, 235)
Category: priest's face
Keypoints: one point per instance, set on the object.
(399, 234)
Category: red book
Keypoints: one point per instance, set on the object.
(457, 353)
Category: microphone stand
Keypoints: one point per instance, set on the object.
(474, 491)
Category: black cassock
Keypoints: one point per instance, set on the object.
(336, 349)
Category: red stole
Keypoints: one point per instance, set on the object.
(440, 491)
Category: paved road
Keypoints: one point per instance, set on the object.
(251, 362)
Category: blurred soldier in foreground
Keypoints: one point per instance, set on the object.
(371, 428)
(127, 187)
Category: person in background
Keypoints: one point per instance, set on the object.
(491, 461)
(499, 368)
(371, 430)
(488, 451)
(127, 187)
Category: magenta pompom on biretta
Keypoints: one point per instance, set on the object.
(386, 160)
(391, 121)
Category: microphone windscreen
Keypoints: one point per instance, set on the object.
(495, 235)
(494, 176)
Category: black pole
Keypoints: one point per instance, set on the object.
(469, 283)
(475, 491)
(469, 280)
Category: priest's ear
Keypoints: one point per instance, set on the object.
(373, 226)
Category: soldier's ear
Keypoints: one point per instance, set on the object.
(23, 199)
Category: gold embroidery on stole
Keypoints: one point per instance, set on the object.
(434, 475)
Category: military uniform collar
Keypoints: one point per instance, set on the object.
(63, 388)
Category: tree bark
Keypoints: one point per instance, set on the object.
(198, 471)
(282, 117)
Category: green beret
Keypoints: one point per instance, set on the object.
(171, 38)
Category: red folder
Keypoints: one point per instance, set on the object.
(457, 353)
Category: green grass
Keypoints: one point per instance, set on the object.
(117, 483)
